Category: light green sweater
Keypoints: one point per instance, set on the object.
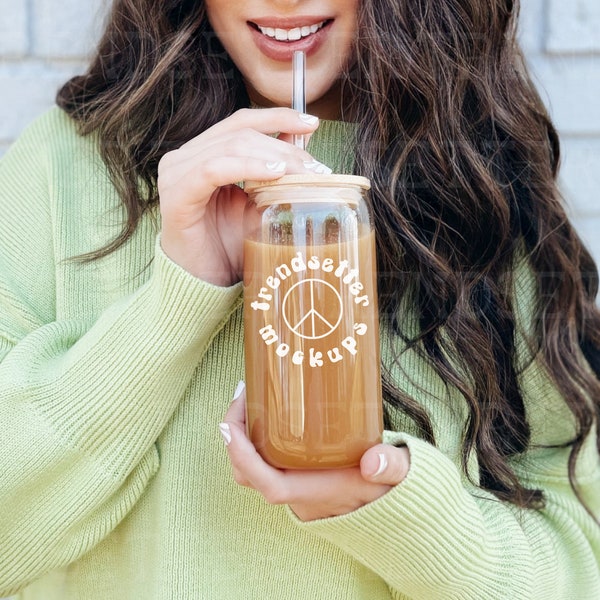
(114, 482)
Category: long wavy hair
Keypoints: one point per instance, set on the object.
(463, 160)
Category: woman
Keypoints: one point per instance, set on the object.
(120, 347)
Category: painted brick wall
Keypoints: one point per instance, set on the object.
(562, 43)
(43, 42)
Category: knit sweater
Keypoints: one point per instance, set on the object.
(115, 484)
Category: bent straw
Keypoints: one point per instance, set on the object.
(299, 90)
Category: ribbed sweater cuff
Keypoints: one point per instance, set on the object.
(425, 534)
(192, 309)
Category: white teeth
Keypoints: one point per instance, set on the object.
(291, 35)
(294, 34)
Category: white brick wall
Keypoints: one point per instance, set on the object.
(43, 42)
(562, 44)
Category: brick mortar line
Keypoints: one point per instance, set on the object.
(566, 136)
(31, 60)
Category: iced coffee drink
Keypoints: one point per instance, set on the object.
(311, 324)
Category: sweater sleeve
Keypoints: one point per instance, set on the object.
(436, 537)
(81, 404)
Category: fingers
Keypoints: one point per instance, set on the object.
(219, 171)
(265, 120)
(249, 469)
(246, 139)
(385, 464)
(234, 156)
(242, 142)
(237, 409)
(240, 147)
(310, 494)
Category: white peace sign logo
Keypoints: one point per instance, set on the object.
(312, 325)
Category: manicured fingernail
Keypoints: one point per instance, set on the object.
(225, 432)
(317, 167)
(308, 119)
(276, 167)
(383, 463)
(241, 386)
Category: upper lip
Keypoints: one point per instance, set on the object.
(289, 22)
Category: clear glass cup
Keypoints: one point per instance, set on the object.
(313, 383)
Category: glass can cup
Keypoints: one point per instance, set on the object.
(311, 329)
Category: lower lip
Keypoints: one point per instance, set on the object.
(284, 51)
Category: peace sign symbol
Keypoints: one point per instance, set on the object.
(312, 325)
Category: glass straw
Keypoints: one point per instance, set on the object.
(299, 90)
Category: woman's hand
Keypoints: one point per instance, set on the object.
(202, 209)
(312, 494)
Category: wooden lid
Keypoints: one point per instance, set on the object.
(310, 179)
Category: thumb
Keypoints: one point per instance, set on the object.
(385, 464)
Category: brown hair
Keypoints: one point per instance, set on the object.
(463, 160)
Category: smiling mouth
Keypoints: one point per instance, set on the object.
(291, 35)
